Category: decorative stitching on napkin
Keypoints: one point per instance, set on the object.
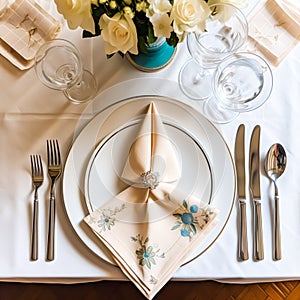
(146, 254)
(189, 217)
(107, 217)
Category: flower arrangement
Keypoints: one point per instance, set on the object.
(131, 25)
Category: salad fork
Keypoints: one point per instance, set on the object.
(54, 171)
(37, 180)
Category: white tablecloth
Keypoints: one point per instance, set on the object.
(31, 113)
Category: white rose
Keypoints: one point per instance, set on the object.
(158, 7)
(189, 16)
(119, 34)
(161, 25)
(78, 13)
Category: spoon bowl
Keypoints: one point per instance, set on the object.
(275, 164)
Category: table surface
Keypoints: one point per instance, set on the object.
(31, 114)
(116, 290)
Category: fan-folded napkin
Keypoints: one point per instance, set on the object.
(151, 227)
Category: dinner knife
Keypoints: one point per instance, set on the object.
(239, 154)
(254, 189)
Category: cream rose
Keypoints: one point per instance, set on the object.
(78, 13)
(119, 34)
(158, 7)
(189, 16)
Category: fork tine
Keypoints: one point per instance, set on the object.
(57, 153)
(33, 160)
(49, 155)
(36, 166)
(53, 152)
(32, 165)
(39, 165)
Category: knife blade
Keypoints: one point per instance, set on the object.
(239, 154)
(254, 189)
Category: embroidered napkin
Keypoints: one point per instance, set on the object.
(274, 28)
(24, 27)
(151, 227)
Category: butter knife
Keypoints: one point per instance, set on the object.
(239, 154)
(254, 186)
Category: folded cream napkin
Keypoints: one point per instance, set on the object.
(24, 27)
(292, 8)
(151, 227)
(274, 28)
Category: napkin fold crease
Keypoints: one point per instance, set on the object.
(151, 227)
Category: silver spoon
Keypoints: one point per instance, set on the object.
(275, 163)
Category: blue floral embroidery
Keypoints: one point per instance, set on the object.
(107, 217)
(187, 219)
(146, 254)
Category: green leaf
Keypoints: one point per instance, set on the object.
(142, 44)
(177, 215)
(175, 227)
(151, 37)
(173, 39)
(184, 203)
(193, 228)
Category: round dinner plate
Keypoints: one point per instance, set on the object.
(104, 171)
(206, 163)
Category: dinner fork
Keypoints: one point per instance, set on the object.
(37, 180)
(54, 171)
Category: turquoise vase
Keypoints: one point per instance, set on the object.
(159, 55)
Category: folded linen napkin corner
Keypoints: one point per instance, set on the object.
(24, 27)
(274, 27)
(150, 227)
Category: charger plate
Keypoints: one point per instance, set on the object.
(194, 129)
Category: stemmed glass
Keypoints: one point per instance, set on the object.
(225, 33)
(59, 66)
(242, 82)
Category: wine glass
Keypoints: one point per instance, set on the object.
(226, 31)
(59, 66)
(242, 82)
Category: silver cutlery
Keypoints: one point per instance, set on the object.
(275, 163)
(254, 189)
(37, 180)
(240, 169)
(54, 171)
